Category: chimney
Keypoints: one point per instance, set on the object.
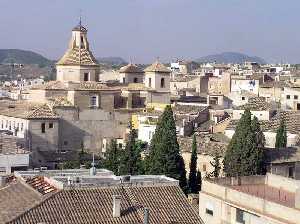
(116, 206)
(146, 216)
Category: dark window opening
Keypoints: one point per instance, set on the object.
(82, 42)
(86, 77)
(50, 125)
(291, 171)
(135, 80)
(243, 98)
(208, 211)
(162, 83)
(150, 82)
(123, 80)
(240, 216)
(295, 97)
(288, 97)
(43, 127)
(65, 142)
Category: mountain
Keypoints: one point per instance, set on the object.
(112, 61)
(230, 57)
(23, 57)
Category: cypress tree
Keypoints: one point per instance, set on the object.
(244, 153)
(164, 157)
(257, 157)
(216, 165)
(130, 158)
(281, 136)
(199, 180)
(192, 182)
(112, 160)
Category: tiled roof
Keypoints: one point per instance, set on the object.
(131, 68)
(11, 144)
(206, 144)
(291, 119)
(15, 199)
(188, 109)
(282, 155)
(26, 110)
(157, 67)
(78, 56)
(255, 104)
(167, 204)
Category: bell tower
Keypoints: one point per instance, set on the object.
(78, 63)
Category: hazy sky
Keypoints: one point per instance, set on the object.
(145, 29)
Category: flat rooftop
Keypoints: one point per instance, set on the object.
(102, 178)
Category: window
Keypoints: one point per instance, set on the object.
(81, 40)
(288, 97)
(295, 97)
(50, 125)
(43, 127)
(291, 171)
(94, 101)
(21, 126)
(65, 142)
(204, 167)
(120, 145)
(209, 209)
(162, 83)
(243, 98)
(150, 82)
(86, 76)
(135, 80)
(123, 80)
(240, 216)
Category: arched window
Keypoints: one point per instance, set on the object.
(162, 83)
(135, 80)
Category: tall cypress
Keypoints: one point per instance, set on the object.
(130, 158)
(192, 182)
(216, 164)
(164, 157)
(112, 160)
(281, 135)
(244, 153)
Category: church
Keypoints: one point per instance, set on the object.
(78, 110)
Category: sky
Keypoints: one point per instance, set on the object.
(142, 30)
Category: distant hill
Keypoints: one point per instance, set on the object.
(230, 57)
(112, 60)
(23, 57)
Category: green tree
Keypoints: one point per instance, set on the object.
(164, 157)
(192, 181)
(112, 157)
(281, 136)
(216, 164)
(199, 180)
(130, 158)
(244, 153)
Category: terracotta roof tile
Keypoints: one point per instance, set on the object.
(167, 204)
(131, 68)
(77, 56)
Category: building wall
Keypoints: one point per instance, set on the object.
(271, 94)
(261, 115)
(256, 210)
(245, 84)
(290, 98)
(89, 127)
(76, 73)
(130, 77)
(156, 80)
(40, 141)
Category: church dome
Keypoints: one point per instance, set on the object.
(157, 67)
(130, 68)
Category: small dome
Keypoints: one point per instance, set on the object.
(130, 68)
(80, 28)
(157, 67)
